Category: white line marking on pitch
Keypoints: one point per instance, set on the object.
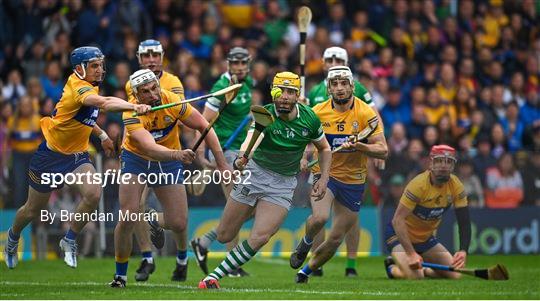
(255, 290)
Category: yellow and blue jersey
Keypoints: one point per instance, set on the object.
(69, 128)
(25, 134)
(162, 124)
(428, 204)
(348, 166)
(167, 81)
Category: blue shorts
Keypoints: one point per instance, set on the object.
(349, 195)
(391, 240)
(47, 161)
(152, 173)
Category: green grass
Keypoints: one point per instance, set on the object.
(271, 279)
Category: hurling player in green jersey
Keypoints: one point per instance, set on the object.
(238, 62)
(269, 178)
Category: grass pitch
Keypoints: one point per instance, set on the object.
(270, 279)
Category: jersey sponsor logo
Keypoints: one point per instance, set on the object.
(159, 134)
(426, 213)
(87, 115)
(337, 140)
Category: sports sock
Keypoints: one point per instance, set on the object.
(181, 257)
(305, 244)
(121, 268)
(12, 236)
(239, 255)
(351, 263)
(306, 270)
(70, 234)
(207, 238)
(147, 255)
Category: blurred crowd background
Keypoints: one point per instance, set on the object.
(463, 73)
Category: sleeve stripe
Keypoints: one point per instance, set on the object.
(412, 197)
(131, 121)
(461, 195)
(183, 109)
(83, 90)
(211, 107)
(320, 138)
(177, 90)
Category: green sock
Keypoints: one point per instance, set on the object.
(351, 263)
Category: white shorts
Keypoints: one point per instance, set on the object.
(264, 184)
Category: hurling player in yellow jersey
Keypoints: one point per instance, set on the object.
(342, 115)
(151, 154)
(410, 237)
(150, 55)
(65, 149)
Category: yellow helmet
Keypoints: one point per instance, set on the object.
(286, 80)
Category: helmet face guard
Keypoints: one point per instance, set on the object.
(238, 62)
(82, 56)
(140, 78)
(283, 99)
(443, 161)
(148, 47)
(335, 74)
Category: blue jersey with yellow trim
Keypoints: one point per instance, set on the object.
(348, 166)
(428, 204)
(69, 128)
(162, 124)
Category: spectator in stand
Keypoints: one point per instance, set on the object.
(395, 110)
(504, 184)
(14, 88)
(52, 82)
(513, 127)
(471, 183)
(397, 185)
(397, 142)
(531, 180)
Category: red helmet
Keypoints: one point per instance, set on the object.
(443, 150)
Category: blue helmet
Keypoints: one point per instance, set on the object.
(83, 55)
(150, 45)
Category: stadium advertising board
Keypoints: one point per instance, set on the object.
(494, 231)
(292, 230)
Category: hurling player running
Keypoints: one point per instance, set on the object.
(65, 149)
(276, 162)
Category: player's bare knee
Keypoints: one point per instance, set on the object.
(176, 225)
(92, 196)
(319, 219)
(224, 236)
(257, 240)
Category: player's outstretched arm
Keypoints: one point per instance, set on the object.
(114, 104)
(146, 143)
(209, 115)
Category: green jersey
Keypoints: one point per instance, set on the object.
(285, 141)
(234, 113)
(319, 93)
